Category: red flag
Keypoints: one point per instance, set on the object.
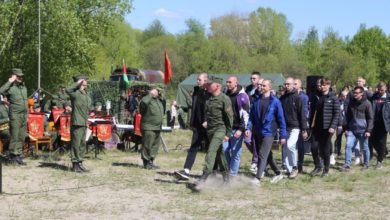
(168, 69)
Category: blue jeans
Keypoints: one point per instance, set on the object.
(232, 150)
(290, 153)
(352, 139)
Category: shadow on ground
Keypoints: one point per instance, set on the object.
(55, 166)
(116, 164)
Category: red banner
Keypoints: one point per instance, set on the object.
(104, 132)
(56, 113)
(35, 125)
(65, 127)
(168, 69)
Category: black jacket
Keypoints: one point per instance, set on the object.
(331, 111)
(293, 109)
(198, 110)
(359, 116)
(385, 109)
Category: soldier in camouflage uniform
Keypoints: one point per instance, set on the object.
(152, 112)
(219, 120)
(81, 105)
(16, 92)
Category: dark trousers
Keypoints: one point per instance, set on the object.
(198, 135)
(272, 163)
(321, 147)
(303, 147)
(215, 155)
(150, 144)
(263, 146)
(78, 143)
(250, 144)
(378, 141)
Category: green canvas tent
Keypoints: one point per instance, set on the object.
(184, 90)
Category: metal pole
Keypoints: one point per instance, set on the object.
(1, 176)
(39, 44)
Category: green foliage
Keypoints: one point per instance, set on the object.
(70, 31)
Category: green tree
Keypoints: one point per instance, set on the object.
(310, 52)
(155, 29)
(70, 32)
(372, 46)
(232, 26)
(269, 31)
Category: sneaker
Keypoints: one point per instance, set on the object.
(182, 175)
(332, 159)
(276, 179)
(253, 168)
(255, 182)
(325, 174)
(293, 174)
(365, 168)
(345, 168)
(378, 165)
(357, 161)
(316, 171)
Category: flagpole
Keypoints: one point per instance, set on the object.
(39, 45)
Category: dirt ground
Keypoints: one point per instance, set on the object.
(118, 188)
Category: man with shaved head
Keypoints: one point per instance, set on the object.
(295, 122)
(198, 117)
(240, 103)
(265, 114)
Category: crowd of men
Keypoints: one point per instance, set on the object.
(256, 116)
(225, 119)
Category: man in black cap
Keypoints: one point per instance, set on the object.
(81, 106)
(16, 92)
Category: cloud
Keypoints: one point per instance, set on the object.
(165, 13)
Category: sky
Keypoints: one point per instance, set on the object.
(343, 16)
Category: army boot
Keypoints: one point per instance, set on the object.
(19, 160)
(226, 178)
(76, 168)
(82, 167)
(154, 166)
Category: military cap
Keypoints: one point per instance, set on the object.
(213, 79)
(98, 104)
(17, 71)
(78, 77)
(36, 105)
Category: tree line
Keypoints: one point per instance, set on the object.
(92, 37)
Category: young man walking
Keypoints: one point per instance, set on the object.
(265, 115)
(295, 117)
(240, 105)
(359, 119)
(324, 116)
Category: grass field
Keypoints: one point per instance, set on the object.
(118, 188)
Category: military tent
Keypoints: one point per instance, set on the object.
(184, 90)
